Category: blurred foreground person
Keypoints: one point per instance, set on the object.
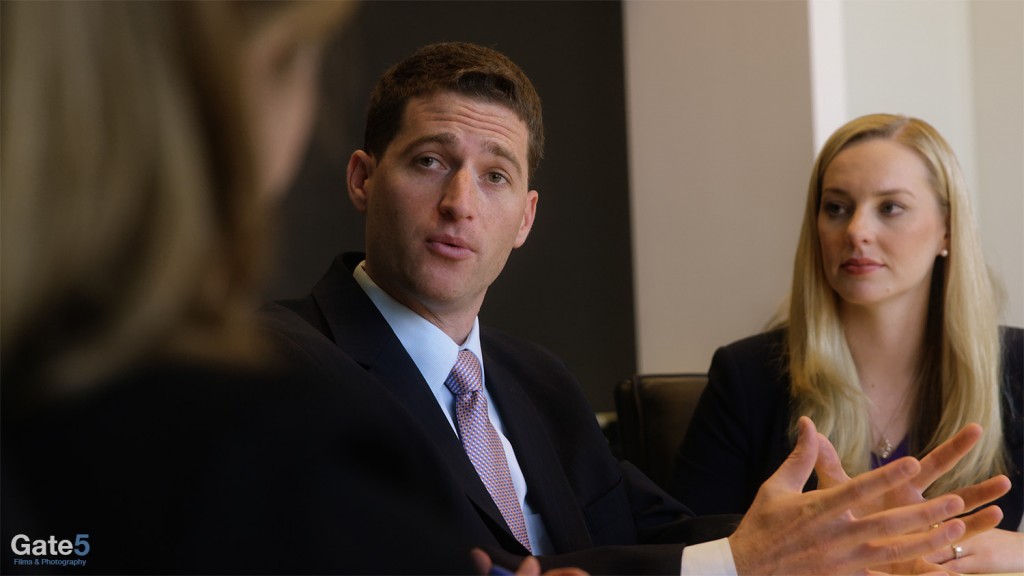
(142, 145)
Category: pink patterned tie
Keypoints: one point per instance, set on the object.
(481, 442)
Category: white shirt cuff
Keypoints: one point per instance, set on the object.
(708, 558)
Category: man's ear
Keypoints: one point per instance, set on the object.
(357, 176)
(529, 213)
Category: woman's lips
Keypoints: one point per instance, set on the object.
(860, 266)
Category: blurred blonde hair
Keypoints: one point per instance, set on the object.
(959, 382)
(131, 220)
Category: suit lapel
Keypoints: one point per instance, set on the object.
(359, 329)
(549, 490)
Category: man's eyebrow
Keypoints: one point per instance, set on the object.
(448, 139)
(502, 152)
(444, 138)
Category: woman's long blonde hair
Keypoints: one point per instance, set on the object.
(959, 382)
(131, 223)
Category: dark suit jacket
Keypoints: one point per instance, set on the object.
(738, 435)
(196, 469)
(586, 498)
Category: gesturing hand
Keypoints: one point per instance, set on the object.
(935, 464)
(791, 532)
(529, 567)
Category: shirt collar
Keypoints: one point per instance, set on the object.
(433, 351)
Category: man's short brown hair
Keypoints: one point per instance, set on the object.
(468, 69)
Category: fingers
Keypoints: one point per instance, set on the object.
(946, 557)
(994, 551)
(909, 519)
(913, 545)
(943, 458)
(869, 486)
(529, 567)
(968, 565)
(566, 572)
(796, 469)
(984, 492)
(921, 568)
(982, 521)
(481, 560)
(828, 466)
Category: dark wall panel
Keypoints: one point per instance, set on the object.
(570, 287)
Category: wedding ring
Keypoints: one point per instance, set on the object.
(937, 524)
(958, 551)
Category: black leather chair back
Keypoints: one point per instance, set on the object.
(654, 412)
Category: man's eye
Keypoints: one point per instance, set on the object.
(427, 161)
(496, 178)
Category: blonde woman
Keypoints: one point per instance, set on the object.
(891, 344)
(143, 432)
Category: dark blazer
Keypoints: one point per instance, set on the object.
(198, 469)
(586, 498)
(738, 435)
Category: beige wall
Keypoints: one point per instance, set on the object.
(997, 32)
(718, 95)
(724, 117)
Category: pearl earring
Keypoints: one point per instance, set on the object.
(944, 253)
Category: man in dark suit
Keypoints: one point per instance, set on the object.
(453, 134)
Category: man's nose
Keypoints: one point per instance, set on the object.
(459, 198)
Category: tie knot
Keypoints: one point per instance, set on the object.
(465, 375)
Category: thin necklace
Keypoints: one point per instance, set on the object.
(885, 448)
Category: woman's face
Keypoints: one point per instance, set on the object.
(880, 225)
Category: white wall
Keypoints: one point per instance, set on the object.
(724, 118)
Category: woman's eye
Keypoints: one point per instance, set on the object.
(834, 209)
(892, 208)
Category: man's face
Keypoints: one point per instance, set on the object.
(446, 203)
